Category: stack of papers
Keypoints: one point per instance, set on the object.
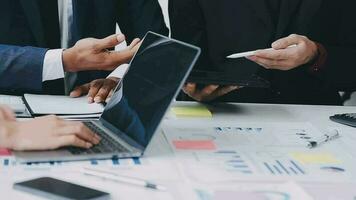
(63, 106)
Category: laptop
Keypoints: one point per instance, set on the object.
(138, 105)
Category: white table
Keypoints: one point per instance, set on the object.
(162, 162)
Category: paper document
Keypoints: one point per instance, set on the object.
(253, 191)
(16, 104)
(61, 105)
(225, 151)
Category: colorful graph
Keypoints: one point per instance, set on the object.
(234, 162)
(288, 167)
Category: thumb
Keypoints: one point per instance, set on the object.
(110, 41)
(284, 43)
(80, 91)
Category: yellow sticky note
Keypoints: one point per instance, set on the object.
(315, 158)
(192, 111)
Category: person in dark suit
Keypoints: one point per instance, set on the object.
(305, 74)
(31, 31)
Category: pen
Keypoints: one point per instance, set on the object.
(251, 53)
(325, 138)
(120, 178)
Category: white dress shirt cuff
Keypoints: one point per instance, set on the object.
(120, 71)
(53, 65)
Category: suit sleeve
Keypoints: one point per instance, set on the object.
(21, 69)
(337, 33)
(188, 25)
(137, 17)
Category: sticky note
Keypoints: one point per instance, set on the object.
(315, 158)
(192, 111)
(194, 144)
(5, 152)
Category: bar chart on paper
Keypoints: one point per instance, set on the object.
(254, 151)
(10, 163)
(289, 167)
(233, 162)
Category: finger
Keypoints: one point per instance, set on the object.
(73, 140)
(6, 113)
(135, 42)
(226, 90)
(80, 130)
(274, 54)
(110, 41)
(104, 92)
(80, 91)
(206, 94)
(110, 94)
(117, 58)
(208, 90)
(189, 88)
(94, 89)
(285, 42)
(9, 114)
(272, 64)
(2, 112)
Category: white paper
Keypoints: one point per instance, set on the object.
(257, 191)
(256, 151)
(14, 102)
(61, 105)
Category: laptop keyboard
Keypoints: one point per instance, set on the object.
(106, 145)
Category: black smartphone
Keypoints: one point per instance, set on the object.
(59, 190)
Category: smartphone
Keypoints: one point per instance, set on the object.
(59, 190)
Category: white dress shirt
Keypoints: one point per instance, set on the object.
(53, 64)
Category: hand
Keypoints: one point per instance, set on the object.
(283, 58)
(93, 54)
(98, 90)
(48, 133)
(208, 93)
(6, 114)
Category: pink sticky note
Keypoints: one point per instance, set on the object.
(5, 152)
(194, 144)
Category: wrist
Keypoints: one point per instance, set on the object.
(315, 51)
(319, 61)
(69, 58)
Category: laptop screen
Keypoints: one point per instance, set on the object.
(156, 74)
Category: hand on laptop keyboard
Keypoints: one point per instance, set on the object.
(45, 133)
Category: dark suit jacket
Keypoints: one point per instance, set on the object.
(224, 27)
(28, 28)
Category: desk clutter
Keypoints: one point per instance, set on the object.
(256, 151)
(198, 158)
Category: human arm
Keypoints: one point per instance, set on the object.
(22, 67)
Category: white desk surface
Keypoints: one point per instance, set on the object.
(162, 160)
